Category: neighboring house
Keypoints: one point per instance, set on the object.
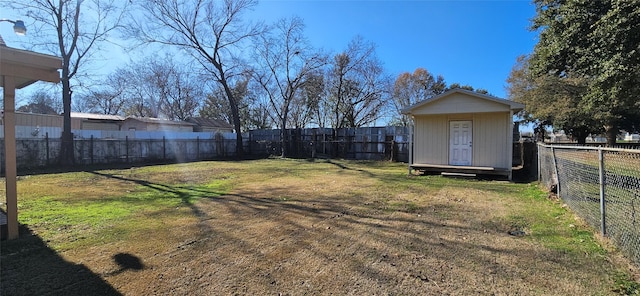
(98, 122)
(155, 124)
(461, 131)
(33, 125)
(209, 125)
(34, 119)
(629, 137)
(596, 139)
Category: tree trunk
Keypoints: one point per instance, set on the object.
(581, 135)
(611, 132)
(283, 143)
(66, 147)
(236, 125)
(234, 112)
(285, 114)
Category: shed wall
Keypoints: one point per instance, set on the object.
(490, 137)
(490, 140)
(430, 133)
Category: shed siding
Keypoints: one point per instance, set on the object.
(489, 136)
(460, 103)
(429, 134)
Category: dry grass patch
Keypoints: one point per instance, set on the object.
(301, 227)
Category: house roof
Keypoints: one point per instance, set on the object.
(28, 67)
(96, 116)
(159, 121)
(209, 122)
(514, 106)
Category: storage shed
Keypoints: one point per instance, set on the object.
(462, 131)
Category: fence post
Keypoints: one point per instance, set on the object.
(126, 148)
(538, 148)
(603, 223)
(91, 149)
(46, 144)
(164, 148)
(198, 148)
(555, 170)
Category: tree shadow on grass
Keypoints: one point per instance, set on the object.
(30, 267)
(184, 194)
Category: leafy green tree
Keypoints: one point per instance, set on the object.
(596, 42)
(456, 85)
(551, 100)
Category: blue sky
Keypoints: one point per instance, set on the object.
(469, 42)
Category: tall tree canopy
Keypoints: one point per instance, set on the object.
(284, 60)
(213, 32)
(356, 85)
(596, 42)
(410, 88)
(551, 100)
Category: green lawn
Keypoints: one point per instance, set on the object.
(300, 227)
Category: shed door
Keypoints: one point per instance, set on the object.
(460, 142)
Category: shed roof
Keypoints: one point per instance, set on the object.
(514, 106)
(209, 122)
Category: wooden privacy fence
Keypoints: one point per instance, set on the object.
(366, 143)
(43, 152)
(373, 143)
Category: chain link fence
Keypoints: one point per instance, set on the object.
(601, 185)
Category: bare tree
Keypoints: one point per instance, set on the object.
(356, 86)
(110, 97)
(211, 31)
(184, 93)
(72, 29)
(305, 107)
(216, 106)
(284, 60)
(103, 101)
(409, 89)
(151, 87)
(42, 102)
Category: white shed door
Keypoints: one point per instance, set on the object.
(460, 143)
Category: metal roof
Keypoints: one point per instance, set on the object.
(159, 121)
(96, 116)
(209, 122)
